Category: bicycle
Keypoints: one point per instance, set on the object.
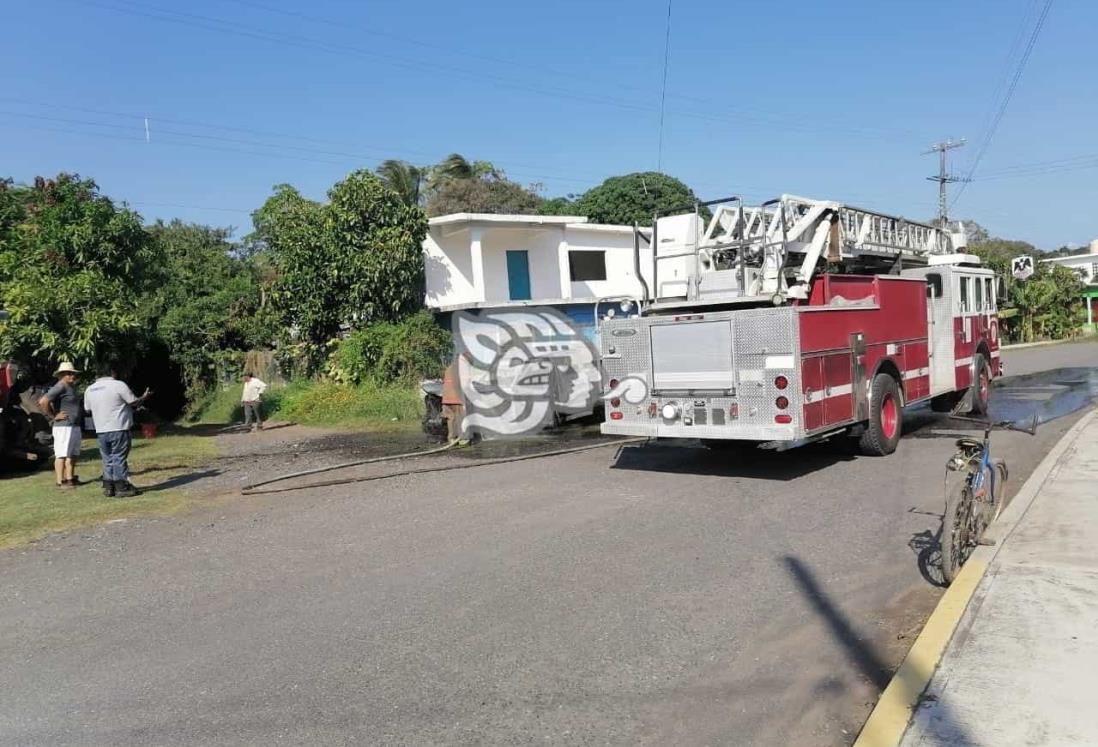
(974, 485)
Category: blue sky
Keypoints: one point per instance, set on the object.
(826, 99)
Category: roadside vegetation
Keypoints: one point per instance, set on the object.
(368, 406)
(31, 506)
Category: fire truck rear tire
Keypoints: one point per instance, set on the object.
(981, 386)
(882, 432)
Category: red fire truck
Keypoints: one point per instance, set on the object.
(799, 320)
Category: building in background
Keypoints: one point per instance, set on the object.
(485, 261)
(1087, 266)
(584, 270)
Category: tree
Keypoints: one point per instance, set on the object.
(559, 206)
(456, 167)
(1046, 305)
(635, 197)
(74, 269)
(351, 261)
(406, 180)
(482, 196)
(210, 300)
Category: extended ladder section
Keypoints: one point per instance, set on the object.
(769, 253)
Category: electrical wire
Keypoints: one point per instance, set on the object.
(998, 118)
(194, 20)
(663, 88)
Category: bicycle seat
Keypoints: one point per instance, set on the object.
(967, 444)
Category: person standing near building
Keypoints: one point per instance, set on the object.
(111, 404)
(251, 398)
(62, 404)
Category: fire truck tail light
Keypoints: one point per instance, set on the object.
(615, 402)
(653, 409)
(733, 411)
(783, 419)
(782, 402)
(613, 384)
(781, 382)
(616, 415)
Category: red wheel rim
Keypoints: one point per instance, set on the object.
(890, 416)
(983, 385)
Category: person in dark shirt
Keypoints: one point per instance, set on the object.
(62, 404)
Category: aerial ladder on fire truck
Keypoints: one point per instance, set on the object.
(770, 253)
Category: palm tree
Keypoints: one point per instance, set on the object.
(404, 179)
(456, 166)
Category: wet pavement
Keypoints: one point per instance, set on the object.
(1049, 394)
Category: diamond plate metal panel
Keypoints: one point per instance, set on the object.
(765, 345)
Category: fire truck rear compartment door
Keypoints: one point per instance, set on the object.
(693, 355)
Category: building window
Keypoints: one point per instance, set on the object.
(1093, 272)
(587, 266)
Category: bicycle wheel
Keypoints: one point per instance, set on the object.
(961, 524)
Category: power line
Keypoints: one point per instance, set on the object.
(209, 23)
(271, 148)
(986, 142)
(663, 88)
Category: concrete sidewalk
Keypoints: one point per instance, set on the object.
(1022, 666)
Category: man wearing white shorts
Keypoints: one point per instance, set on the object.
(62, 404)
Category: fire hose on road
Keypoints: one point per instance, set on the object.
(253, 488)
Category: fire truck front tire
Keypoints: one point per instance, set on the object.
(981, 388)
(886, 420)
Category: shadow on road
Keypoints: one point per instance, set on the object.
(760, 464)
(863, 655)
(180, 480)
(927, 546)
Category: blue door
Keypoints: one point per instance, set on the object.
(518, 275)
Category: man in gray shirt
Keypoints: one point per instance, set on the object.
(62, 404)
(111, 404)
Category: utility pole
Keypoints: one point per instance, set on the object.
(944, 177)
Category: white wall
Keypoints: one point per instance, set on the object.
(541, 245)
(621, 279)
(449, 267)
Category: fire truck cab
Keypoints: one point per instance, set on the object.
(831, 319)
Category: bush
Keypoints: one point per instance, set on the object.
(317, 403)
(387, 352)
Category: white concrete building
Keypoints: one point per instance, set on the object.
(478, 260)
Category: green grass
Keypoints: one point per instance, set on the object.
(32, 506)
(322, 403)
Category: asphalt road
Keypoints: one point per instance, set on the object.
(658, 595)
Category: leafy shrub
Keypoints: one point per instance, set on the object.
(388, 352)
(323, 403)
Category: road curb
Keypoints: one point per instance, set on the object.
(890, 718)
(1042, 343)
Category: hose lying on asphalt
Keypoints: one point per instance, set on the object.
(251, 489)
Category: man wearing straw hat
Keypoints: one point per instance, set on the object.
(62, 404)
